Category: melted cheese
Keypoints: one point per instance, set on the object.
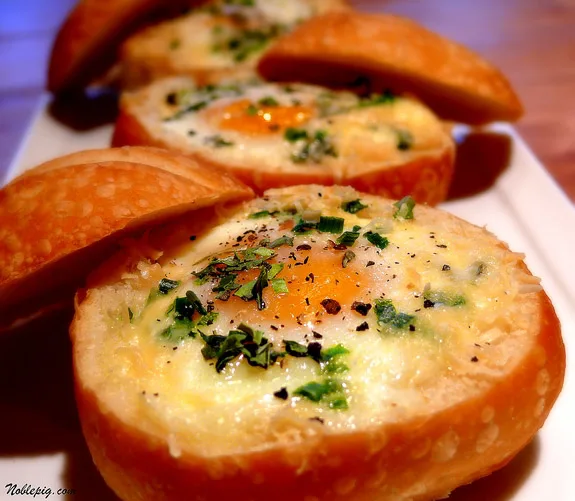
(450, 352)
(251, 132)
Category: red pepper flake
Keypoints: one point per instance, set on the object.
(474, 359)
(316, 335)
(303, 247)
(362, 327)
(370, 263)
(331, 306)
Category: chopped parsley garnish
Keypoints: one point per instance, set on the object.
(387, 314)
(278, 242)
(304, 226)
(183, 324)
(404, 208)
(314, 148)
(295, 349)
(252, 110)
(259, 214)
(386, 97)
(328, 224)
(293, 135)
(432, 298)
(330, 391)
(404, 140)
(353, 206)
(217, 141)
(243, 43)
(244, 340)
(268, 101)
(166, 285)
(376, 239)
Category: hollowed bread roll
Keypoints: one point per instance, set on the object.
(318, 344)
(219, 40)
(271, 135)
(61, 219)
(86, 43)
(388, 51)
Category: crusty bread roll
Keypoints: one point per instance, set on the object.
(85, 46)
(271, 135)
(314, 344)
(388, 51)
(221, 40)
(58, 220)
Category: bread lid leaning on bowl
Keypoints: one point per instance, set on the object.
(86, 43)
(392, 52)
(59, 220)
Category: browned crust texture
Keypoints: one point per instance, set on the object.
(87, 40)
(57, 222)
(341, 49)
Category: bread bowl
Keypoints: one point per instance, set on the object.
(221, 40)
(59, 220)
(435, 371)
(388, 51)
(271, 135)
(85, 45)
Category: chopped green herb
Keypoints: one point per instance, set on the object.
(431, 298)
(328, 224)
(348, 238)
(386, 97)
(250, 343)
(330, 390)
(252, 110)
(404, 140)
(404, 208)
(376, 239)
(268, 101)
(353, 206)
(279, 286)
(304, 226)
(387, 314)
(278, 242)
(217, 141)
(315, 148)
(260, 214)
(166, 285)
(295, 349)
(292, 135)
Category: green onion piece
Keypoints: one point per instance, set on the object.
(387, 314)
(292, 135)
(404, 208)
(443, 298)
(268, 101)
(348, 238)
(260, 214)
(285, 240)
(376, 239)
(166, 285)
(328, 224)
(353, 206)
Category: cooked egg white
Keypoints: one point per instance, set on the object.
(297, 127)
(423, 301)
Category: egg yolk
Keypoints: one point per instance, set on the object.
(319, 287)
(248, 117)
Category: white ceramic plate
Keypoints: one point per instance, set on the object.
(41, 446)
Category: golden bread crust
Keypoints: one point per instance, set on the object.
(419, 458)
(393, 52)
(426, 177)
(86, 42)
(49, 215)
(149, 54)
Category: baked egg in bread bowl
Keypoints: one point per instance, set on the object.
(389, 51)
(317, 343)
(272, 135)
(220, 39)
(58, 220)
